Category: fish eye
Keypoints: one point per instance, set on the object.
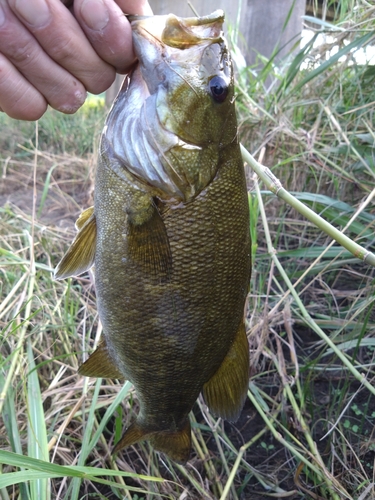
(218, 88)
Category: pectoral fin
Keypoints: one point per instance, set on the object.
(84, 217)
(100, 364)
(148, 242)
(225, 392)
(81, 254)
(175, 444)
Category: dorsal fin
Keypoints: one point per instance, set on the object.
(100, 364)
(81, 253)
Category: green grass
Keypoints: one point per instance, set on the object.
(307, 427)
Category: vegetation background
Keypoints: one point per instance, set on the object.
(307, 430)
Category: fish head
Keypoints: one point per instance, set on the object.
(177, 113)
(185, 61)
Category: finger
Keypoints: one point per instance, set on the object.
(59, 34)
(108, 30)
(60, 89)
(18, 98)
(136, 7)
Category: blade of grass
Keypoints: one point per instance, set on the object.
(336, 124)
(11, 425)
(355, 45)
(276, 187)
(45, 189)
(296, 64)
(37, 432)
(324, 24)
(3, 493)
(49, 470)
(13, 478)
(85, 450)
(89, 442)
(108, 414)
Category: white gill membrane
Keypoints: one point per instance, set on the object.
(137, 137)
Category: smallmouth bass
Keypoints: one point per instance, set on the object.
(169, 234)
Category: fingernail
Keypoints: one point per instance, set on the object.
(34, 12)
(95, 14)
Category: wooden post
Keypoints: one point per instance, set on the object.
(203, 7)
(267, 25)
(262, 23)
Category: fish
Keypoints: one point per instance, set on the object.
(168, 235)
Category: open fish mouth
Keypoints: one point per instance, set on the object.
(178, 32)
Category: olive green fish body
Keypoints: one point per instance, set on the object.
(171, 234)
(170, 331)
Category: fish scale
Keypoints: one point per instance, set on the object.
(172, 250)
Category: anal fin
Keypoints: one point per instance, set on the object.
(100, 364)
(175, 444)
(81, 254)
(226, 391)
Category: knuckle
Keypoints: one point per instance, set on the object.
(101, 81)
(21, 55)
(61, 49)
(17, 45)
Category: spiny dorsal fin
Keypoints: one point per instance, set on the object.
(225, 392)
(81, 254)
(148, 243)
(100, 364)
(175, 444)
(84, 217)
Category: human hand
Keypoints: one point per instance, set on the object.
(50, 54)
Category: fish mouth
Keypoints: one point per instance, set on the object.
(180, 33)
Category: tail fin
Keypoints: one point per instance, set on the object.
(175, 444)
